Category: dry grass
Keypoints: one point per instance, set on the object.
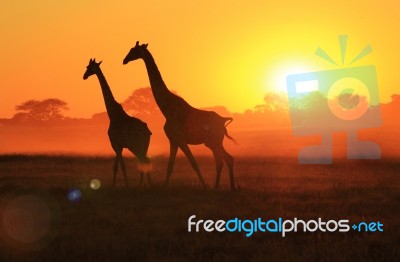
(150, 223)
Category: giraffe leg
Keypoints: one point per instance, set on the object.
(141, 179)
(149, 179)
(218, 165)
(123, 167)
(186, 150)
(229, 161)
(173, 149)
(144, 169)
(146, 162)
(115, 169)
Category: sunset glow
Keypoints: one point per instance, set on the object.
(227, 53)
(276, 81)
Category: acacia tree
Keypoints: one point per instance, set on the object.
(41, 110)
(273, 112)
(141, 103)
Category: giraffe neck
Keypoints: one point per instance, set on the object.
(160, 91)
(109, 100)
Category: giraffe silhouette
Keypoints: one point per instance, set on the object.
(124, 131)
(185, 124)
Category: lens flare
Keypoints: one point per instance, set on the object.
(26, 221)
(74, 194)
(95, 184)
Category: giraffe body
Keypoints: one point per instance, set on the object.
(186, 125)
(124, 131)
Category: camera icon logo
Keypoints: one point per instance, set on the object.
(325, 102)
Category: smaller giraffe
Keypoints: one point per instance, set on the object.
(124, 131)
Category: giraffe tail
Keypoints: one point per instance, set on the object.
(228, 120)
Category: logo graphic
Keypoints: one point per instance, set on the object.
(338, 100)
(280, 225)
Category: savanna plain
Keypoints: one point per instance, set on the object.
(149, 223)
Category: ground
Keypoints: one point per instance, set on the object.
(150, 223)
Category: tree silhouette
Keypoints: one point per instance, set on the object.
(274, 112)
(309, 102)
(273, 103)
(141, 103)
(41, 110)
(395, 99)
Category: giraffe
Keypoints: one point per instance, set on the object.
(124, 131)
(185, 124)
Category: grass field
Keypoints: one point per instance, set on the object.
(150, 223)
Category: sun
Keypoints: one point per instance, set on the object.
(275, 79)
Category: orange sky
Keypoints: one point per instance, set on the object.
(211, 52)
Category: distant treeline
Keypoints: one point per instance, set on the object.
(42, 126)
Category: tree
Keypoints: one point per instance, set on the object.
(141, 103)
(273, 103)
(395, 99)
(41, 110)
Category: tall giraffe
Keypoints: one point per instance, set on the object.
(185, 124)
(124, 131)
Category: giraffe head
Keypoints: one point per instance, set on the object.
(136, 52)
(92, 68)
